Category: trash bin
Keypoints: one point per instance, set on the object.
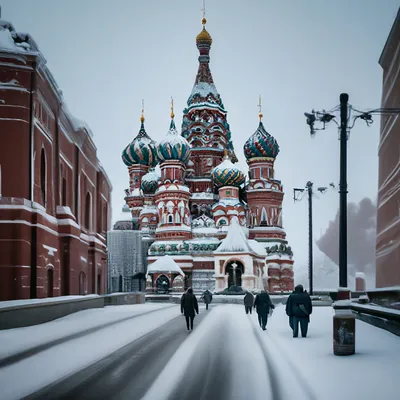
(344, 329)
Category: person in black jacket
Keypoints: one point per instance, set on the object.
(248, 302)
(299, 308)
(207, 298)
(263, 304)
(188, 307)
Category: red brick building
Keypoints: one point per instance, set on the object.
(54, 193)
(388, 218)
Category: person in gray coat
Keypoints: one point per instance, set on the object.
(248, 302)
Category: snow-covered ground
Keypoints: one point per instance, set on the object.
(61, 360)
(304, 368)
(16, 340)
(226, 349)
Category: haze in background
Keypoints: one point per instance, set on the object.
(107, 56)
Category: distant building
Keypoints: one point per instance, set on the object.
(54, 193)
(127, 256)
(388, 217)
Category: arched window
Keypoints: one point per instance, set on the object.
(88, 210)
(170, 219)
(43, 176)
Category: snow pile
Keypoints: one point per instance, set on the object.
(165, 264)
(235, 240)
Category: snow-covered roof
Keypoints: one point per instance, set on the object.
(235, 240)
(165, 264)
(257, 247)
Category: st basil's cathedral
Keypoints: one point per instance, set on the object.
(209, 226)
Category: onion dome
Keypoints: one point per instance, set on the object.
(173, 146)
(227, 174)
(142, 149)
(203, 38)
(261, 144)
(149, 182)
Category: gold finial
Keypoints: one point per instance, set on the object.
(260, 115)
(172, 108)
(204, 21)
(142, 115)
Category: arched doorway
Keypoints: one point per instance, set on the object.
(162, 284)
(82, 283)
(50, 282)
(234, 270)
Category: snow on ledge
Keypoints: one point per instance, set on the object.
(33, 302)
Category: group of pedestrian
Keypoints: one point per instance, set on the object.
(262, 304)
(298, 309)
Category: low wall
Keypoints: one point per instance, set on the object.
(119, 299)
(21, 313)
(18, 316)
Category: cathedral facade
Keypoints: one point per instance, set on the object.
(220, 227)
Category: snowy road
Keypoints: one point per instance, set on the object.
(127, 373)
(223, 358)
(151, 356)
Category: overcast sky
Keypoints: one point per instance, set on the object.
(299, 55)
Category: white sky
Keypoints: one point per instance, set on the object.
(107, 56)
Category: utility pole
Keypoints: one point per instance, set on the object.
(310, 237)
(325, 117)
(310, 193)
(344, 101)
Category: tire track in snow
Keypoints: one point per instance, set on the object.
(307, 391)
(12, 359)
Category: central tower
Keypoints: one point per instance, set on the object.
(206, 129)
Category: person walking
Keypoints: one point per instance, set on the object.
(189, 306)
(248, 302)
(263, 304)
(207, 298)
(299, 309)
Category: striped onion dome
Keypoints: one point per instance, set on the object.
(173, 146)
(261, 144)
(142, 149)
(227, 174)
(149, 182)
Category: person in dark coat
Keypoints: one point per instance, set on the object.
(248, 302)
(189, 306)
(263, 304)
(299, 308)
(207, 298)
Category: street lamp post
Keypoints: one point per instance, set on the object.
(310, 193)
(344, 100)
(344, 127)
